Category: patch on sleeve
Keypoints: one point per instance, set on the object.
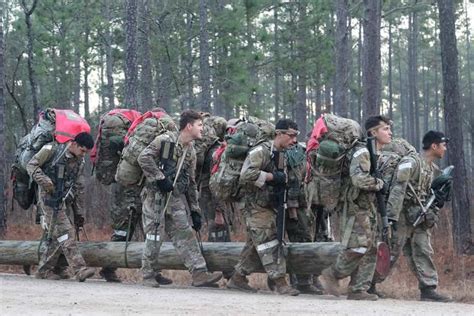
(256, 149)
(48, 146)
(404, 171)
(360, 152)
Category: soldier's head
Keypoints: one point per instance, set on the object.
(380, 127)
(286, 132)
(190, 123)
(435, 143)
(81, 144)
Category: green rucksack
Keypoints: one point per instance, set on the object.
(109, 143)
(328, 154)
(224, 182)
(128, 170)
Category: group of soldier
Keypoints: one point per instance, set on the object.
(170, 205)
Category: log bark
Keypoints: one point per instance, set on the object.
(303, 258)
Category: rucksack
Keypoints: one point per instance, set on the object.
(139, 136)
(328, 154)
(53, 125)
(109, 143)
(213, 131)
(390, 156)
(229, 158)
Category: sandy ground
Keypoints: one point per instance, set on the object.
(24, 295)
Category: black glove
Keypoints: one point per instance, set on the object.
(279, 178)
(164, 185)
(78, 220)
(196, 218)
(393, 223)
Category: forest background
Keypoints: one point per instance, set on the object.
(409, 59)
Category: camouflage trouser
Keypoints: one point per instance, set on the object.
(299, 231)
(261, 247)
(62, 241)
(416, 246)
(176, 227)
(209, 205)
(125, 211)
(359, 258)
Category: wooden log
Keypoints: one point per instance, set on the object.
(303, 258)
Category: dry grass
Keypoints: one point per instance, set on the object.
(456, 272)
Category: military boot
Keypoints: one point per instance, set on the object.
(362, 296)
(282, 287)
(109, 275)
(241, 283)
(162, 280)
(430, 294)
(149, 280)
(373, 290)
(317, 284)
(309, 289)
(61, 272)
(84, 273)
(205, 279)
(331, 284)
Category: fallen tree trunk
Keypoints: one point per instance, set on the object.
(303, 258)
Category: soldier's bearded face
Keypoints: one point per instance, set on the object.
(383, 134)
(288, 139)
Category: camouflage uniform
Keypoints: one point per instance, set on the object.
(125, 212)
(43, 168)
(298, 229)
(403, 207)
(176, 223)
(209, 204)
(261, 247)
(359, 257)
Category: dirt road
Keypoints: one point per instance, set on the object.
(23, 295)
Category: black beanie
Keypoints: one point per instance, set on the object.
(84, 139)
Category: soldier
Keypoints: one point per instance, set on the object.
(359, 257)
(298, 220)
(58, 171)
(411, 187)
(164, 201)
(261, 179)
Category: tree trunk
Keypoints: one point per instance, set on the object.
(76, 98)
(454, 120)
(86, 73)
(303, 258)
(371, 63)
(146, 96)
(341, 88)
(253, 80)
(3, 163)
(29, 48)
(470, 88)
(301, 96)
(131, 71)
(390, 65)
(204, 71)
(360, 54)
(276, 63)
(109, 58)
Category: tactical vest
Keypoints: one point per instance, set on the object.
(421, 180)
(72, 166)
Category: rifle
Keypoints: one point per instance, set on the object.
(379, 195)
(279, 200)
(447, 172)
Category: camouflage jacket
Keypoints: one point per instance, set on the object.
(361, 192)
(253, 175)
(296, 173)
(149, 161)
(42, 168)
(416, 171)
